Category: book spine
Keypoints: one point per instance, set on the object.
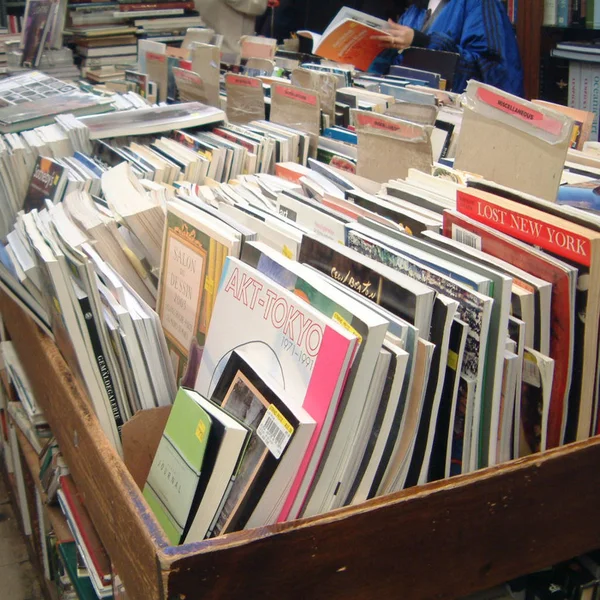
(589, 13)
(595, 21)
(156, 6)
(574, 83)
(100, 358)
(82, 524)
(584, 99)
(550, 13)
(595, 102)
(563, 13)
(575, 11)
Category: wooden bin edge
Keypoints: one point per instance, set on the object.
(441, 540)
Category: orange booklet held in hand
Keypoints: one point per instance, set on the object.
(352, 37)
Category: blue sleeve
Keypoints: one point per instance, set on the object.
(483, 48)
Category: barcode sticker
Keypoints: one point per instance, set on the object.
(464, 236)
(531, 371)
(339, 319)
(275, 431)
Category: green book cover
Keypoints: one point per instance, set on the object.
(83, 586)
(175, 472)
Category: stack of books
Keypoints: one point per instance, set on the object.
(93, 578)
(107, 33)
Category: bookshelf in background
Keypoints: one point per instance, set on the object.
(11, 14)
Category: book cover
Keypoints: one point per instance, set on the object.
(473, 308)
(190, 274)
(276, 431)
(536, 387)
(458, 226)
(37, 21)
(225, 451)
(441, 453)
(307, 354)
(395, 292)
(347, 440)
(351, 42)
(47, 181)
(175, 473)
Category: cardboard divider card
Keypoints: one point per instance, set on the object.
(389, 147)
(190, 86)
(157, 68)
(257, 47)
(417, 113)
(245, 98)
(263, 66)
(513, 142)
(206, 61)
(325, 84)
(296, 107)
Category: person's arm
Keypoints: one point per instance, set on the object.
(481, 44)
(252, 8)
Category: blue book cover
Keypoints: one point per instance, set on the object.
(430, 79)
(563, 13)
(340, 134)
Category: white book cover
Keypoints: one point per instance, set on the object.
(347, 445)
(316, 220)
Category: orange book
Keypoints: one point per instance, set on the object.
(350, 38)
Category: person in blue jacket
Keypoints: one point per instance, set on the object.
(478, 30)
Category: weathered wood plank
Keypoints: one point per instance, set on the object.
(443, 540)
(125, 525)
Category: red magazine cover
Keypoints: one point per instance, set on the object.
(534, 262)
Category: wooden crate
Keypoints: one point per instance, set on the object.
(442, 540)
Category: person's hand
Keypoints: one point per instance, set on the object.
(397, 36)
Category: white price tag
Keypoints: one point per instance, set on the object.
(275, 431)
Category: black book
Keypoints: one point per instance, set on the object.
(448, 406)
(99, 356)
(48, 181)
(441, 322)
(259, 404)
(396, 292)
